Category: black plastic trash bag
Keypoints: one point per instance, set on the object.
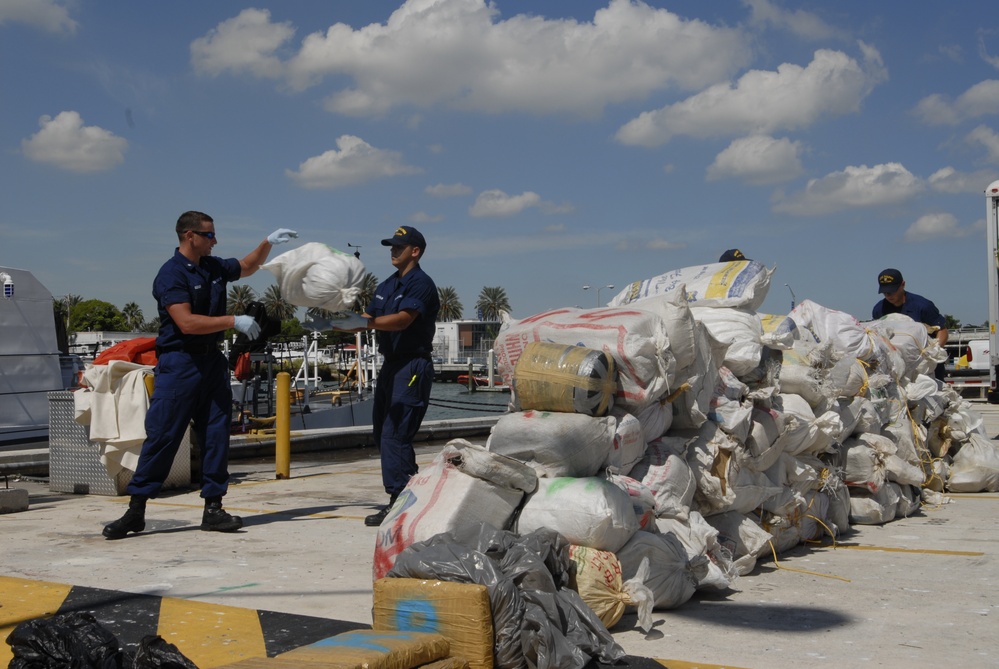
(156, 653)
(539, 623)
(68, 641)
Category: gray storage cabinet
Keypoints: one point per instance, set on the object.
(75, 461)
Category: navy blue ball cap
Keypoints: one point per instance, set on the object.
(406, 236)
(889, 280)
(732, 254)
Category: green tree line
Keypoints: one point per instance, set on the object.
(80, 315)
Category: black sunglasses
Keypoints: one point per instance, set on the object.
(208, 235)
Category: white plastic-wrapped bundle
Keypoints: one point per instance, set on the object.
(743, 538)
(730, 408)
(822, 325)
(779, 332)
(874, 508)
(675, 312)
(740, 283)
(635, 338)
(556, 377)
(655, 419)
(799, 421)
(629, 444)
(464, 485)
(767, 439)
(316, 275)
(692, 400)
(556, 444)
(738, 328)
(839, 501)
(910, 338)
(800, 473)
(905, 473)
(587, 511)
(708, 456)
(665, 471)
(926, 398)
(975, 467)
(752, 489)
(803, 380)
(701, 540)
(846, 378)
(866, 460)
(643, 500)
(910, 499)
(673, 576)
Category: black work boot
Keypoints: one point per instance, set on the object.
(375, 519)
(215, 518)
(134, 520)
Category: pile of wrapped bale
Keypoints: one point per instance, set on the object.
(683, 434)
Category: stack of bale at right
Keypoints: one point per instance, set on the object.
(730, 434)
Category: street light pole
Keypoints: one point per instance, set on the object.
(599, 288)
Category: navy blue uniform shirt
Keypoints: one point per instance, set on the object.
(415, 291)
(916, 307)
(202, 286)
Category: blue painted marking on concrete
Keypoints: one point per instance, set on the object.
(416, 615)
(367, 641)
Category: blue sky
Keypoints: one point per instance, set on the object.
(540, 147)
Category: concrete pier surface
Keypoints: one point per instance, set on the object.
(917, 592)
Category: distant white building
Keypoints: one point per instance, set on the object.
(89, 344)
(456, 341)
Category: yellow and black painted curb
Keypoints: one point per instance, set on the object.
(210, 635)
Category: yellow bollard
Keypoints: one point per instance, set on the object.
(282, 427)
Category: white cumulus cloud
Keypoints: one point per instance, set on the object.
(353, 162)
(497, 204)
(758, 160)
(979, 100)
(936, 226)
(424, 217)
(66, 143)
(463, 54)
(448, 190)
(47, 15)
(762, 102)
(949, 180)
(798, 22)
(246, 43)
(988, 138)
(854, 187)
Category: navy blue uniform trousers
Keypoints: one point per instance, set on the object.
(402, 394)
(187, 386)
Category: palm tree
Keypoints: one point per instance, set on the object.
(451, 309)
(492, 303)
(368, 287)
(277, 307)
(69, 301)
(133, 316)
(240, 296)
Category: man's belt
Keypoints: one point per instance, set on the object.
(407, 356)
(203, 348)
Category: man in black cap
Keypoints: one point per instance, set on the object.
(404, 313)
(899, 301)
(732, 254)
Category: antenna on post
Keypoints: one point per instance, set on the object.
(357, 254)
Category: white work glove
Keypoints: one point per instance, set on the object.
(349, 321)
(281, 235)
(247, 325)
